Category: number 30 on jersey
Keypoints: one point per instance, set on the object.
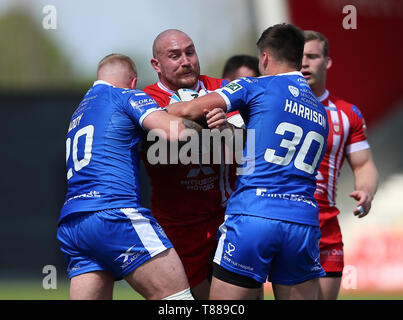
(299, 161)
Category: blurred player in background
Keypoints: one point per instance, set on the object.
(104, 232)
(187, 200)
(239, 66)
(236, 67)
(271, 228)
(347, 139)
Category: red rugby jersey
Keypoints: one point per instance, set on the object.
(346, 135)
(183, 194)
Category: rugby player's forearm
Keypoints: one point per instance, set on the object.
(195, 109)
(189, 124)
(184, 110)
(366, 178)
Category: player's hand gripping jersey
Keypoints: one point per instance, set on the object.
(287, 126)
(346, 135)
(183, 194)
(101, 149)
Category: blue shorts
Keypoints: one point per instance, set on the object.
(115, 240)
(283, 252)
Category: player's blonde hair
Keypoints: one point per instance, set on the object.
(117, 58)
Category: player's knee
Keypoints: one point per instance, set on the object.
(181, 295)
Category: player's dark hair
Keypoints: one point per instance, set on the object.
(285, 42)
(240, 60)
(315, 35)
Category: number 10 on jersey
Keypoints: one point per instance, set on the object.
(88, 132)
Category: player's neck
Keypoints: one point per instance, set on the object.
(279, 69)
(114, 82)
(167, 86)
(319, 90)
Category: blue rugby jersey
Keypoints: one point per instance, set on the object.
(287, 128)
(102, 149)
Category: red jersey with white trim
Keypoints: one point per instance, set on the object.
(346, 135)
(163, 95)
(183, 194)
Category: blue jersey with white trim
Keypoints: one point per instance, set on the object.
(102, 149)
(286, 141)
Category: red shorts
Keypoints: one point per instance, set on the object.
(331, 245)
(195, 245)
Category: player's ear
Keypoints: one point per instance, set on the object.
(155, 64)
(133, 84)
(263, 62)
(329, 63)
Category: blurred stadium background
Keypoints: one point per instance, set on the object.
(45, 72)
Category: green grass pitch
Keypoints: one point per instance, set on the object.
(33, 290)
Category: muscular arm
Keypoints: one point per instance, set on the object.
(365, 179)
(163, 126)
(195, 109)
(169, 125)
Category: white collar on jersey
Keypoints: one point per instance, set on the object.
(102, 82)
(291, 73)
(162, 87)
(323, 96)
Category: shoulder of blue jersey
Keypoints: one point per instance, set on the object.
(233, 86)
(141, 101)
(135, 92)
(135, 97)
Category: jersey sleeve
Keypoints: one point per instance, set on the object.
(140, 105)
(237, 94)
(162, 97)
(224, 82)
(357, 139)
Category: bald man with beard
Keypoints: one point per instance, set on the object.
(187, 200)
